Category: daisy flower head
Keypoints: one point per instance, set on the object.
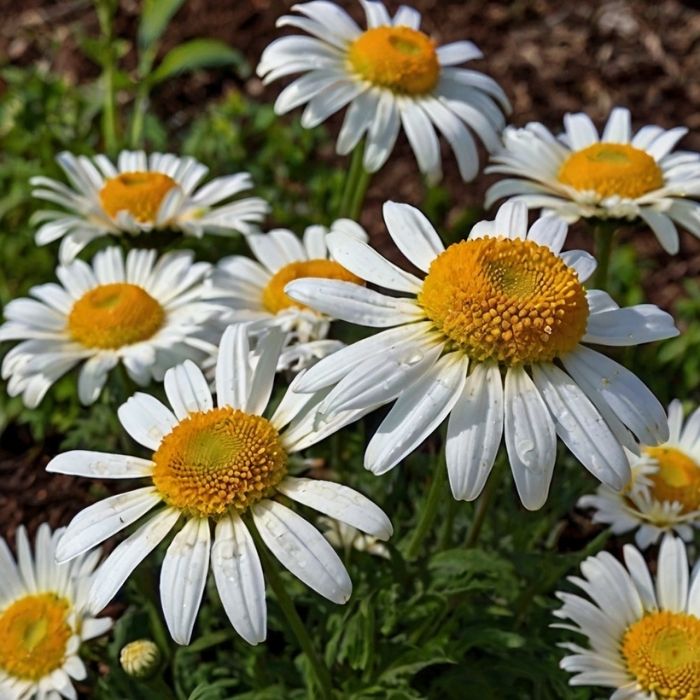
(144, 312)
(223, 465)
(390, 75)
(664, 492)
(643, 637)
(254, 289)
(43, 619)
(495, 335)
(616, 175)
(141, 193)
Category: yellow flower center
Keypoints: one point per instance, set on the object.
(398, 58)
(139, 193)
(114, 315)
(677, 478)
(218, 459)
(34, 635)
(662, 652)
(513, 301)
(611, 169)
(275, 300)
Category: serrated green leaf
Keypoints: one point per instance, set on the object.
(155, 17)
(198, 53)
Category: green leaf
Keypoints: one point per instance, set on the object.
(197, 53)
(155, 16)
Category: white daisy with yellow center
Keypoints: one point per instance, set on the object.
(43, 618)
(392, 75)
(664, 492)
(225, 466)
(141, 193)
(643, 639)
(494, 336)
(254, 291)
(144, 312)
(616, 175)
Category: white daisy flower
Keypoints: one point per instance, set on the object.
(346, 537)
(255, 290)
(663, 494)
(643, 639)
(144, 313)
(494, 336)
(616, 175)
(141, 193)
(391, 75)
(221, 466)
(43, 620)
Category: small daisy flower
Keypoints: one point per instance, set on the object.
(613, 176)
(391, 75)
(224, 466)
(144, 313)
(346, 537)
(141, 193)
(43, 620)
(664, 492)
(494, 335)
(643, 639)
(255, 290)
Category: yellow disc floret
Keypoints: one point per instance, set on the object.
(275, 300)
(34, 634)
(677, 478)
(507, 300)
(662, 652)
(114, 315)
(612, 169)
(218, 459)
(138, 193)
(398, 58)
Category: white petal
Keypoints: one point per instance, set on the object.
(421, 135)
(127, 556)
(549, 231)
(581, 427)
(530, 438)
(103, 519)
(340, 502)
(383, 130)
(93, 375)
(458, 52)
(146, 419)
(581, 261)
(233, 371)
(183, 577)
(365, 262)
(474, 432)
(663, 227)
(619, 127)
(413, 234)
(270, 347)
(643, 323)
(672, 575)
(417, 412)
(187, 389)
(511, 220)
(640, 575)
(303, 550)
(100, 465)
(350, 302)
(580, 130)
(239, 578)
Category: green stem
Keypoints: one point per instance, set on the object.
(427, 516)
(138, 113)
(482, 508)
(356, 184)
(323, 676)
(603, 236)
(109, 112)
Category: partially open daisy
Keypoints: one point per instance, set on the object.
(643, 639)
(144, 312)
(255, 290)
(43, 619)
(391, 75)
(141, 193)
(494, 336)
(664, 492)
(225, 466)
(616, 175)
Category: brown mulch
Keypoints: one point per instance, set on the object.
(550, 56)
